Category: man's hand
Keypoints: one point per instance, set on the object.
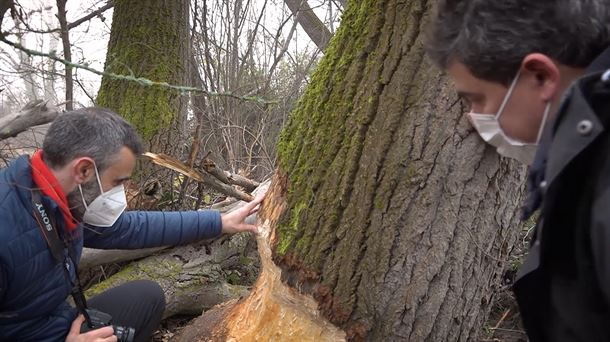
(105, 334)
(233, 222)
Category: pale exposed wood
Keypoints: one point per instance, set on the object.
(272, 311)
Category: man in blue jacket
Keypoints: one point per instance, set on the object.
(78, 178)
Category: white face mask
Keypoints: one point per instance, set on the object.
(489, 129)
(107, 207)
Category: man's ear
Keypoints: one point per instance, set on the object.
(545, 72)
(83, 170)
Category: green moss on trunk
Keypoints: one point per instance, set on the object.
(326, 120)
(148, 39)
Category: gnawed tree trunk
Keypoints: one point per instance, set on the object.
(149, 39)
(386, 207)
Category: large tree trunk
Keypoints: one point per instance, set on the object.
(386, 206)
(149, 39)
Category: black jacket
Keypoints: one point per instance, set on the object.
(563, 288)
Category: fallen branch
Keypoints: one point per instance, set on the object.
(178, 166)
(227, 177)
(33, 114)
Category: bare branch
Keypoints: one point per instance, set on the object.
(65, 39)
(214, 183)
(72, 25)
(309, 21)
(227, 177)
(90, 16)
(33, 114)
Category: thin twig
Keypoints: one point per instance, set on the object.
(501, 319)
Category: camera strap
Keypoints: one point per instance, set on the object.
(58, 247)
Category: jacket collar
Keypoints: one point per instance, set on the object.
(576, 126)
(19, 174)
(537, 178)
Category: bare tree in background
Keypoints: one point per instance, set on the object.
(235, 52)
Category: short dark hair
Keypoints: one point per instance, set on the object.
(93, 132)
(491, 37)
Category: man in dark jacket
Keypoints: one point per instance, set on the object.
(531, 72)
(78, 179)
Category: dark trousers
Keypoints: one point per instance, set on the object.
(138, 304)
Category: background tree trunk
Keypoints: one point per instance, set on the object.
(398, 219)
(149, 39)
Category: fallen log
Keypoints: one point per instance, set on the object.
(98, 257)
(195, 277)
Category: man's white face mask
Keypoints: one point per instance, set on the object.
(105, 209)
(488, 126)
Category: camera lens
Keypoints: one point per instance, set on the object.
(124, 334)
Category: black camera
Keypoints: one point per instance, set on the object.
(100, 320)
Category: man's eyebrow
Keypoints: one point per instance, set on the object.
(123, 179)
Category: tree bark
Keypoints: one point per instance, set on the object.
(386, 206)
(149, 39)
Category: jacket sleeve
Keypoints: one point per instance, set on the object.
(143, 229)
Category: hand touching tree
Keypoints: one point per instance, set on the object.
(234, 222)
